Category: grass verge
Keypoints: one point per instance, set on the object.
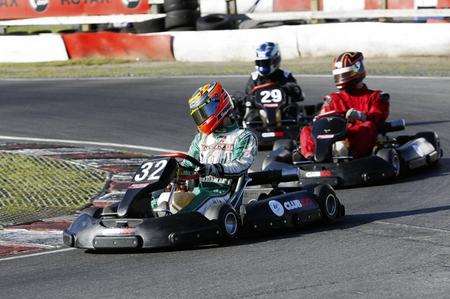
(33, 187)
(97, 67)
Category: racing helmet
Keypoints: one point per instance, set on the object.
(268, 58)
(209, 106)
(348, 69)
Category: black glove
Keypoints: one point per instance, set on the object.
(293, 91)
(209, 169)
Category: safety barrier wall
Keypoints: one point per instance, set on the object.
(232, 45)
(34, 48)
(22, 9)
(119, 45)
(374, 39)
(243, 6)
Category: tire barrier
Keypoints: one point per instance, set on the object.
(215, 22)
(181, 15)
(118, 45)
(32, 48)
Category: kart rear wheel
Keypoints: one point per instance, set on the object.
(229, 222)
(227, 219)
(329, 204)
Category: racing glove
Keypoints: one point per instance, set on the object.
(294, 91)
(353, 114)
(210, 169)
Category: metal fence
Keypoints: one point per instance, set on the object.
(36, 187)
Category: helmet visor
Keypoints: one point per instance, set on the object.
(263, 63)
(205, 111)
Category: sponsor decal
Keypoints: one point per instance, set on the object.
(130, 3)
(306, 201)
(39, 5)
(325, 136)
(318, 174)
(276, 207)
(138, 186)
(118, 231)
(312, 174)
(271, 105)
(8, 3)
(268, 134)
(292, 204)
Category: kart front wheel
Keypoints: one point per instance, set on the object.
(329, 204)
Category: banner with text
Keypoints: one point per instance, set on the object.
(23, 9)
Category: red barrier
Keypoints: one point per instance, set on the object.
(118, 45)
(23, 9)
(291, 5)
(443, 4)
(391, 4)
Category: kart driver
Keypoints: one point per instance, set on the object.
(267, 65)
(225, 150)
(365, 109)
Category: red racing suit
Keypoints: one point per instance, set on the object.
(361, 135)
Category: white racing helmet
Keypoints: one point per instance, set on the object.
(268, 58)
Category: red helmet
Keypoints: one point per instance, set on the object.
(209, 106)
(348, 69)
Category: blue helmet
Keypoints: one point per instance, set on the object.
(268, 58)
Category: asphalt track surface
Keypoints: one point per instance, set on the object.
(395, 241)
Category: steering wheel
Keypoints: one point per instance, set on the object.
(330, 114)
(184, 156)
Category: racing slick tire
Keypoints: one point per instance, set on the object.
(215, 22)
(227, 219)
(391, 156)
(181, 18)
(172, 5)
(329, 204)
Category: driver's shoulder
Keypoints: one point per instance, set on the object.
(245, 133)
(254, 76)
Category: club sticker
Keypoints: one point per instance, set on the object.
(39, 5)
(293, 205)
(276, 207)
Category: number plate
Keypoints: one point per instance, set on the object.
(272, 97)
(150, 171)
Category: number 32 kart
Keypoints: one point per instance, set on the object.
(178, 217)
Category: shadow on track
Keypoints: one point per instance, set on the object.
(424, 123)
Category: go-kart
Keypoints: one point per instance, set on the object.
(269, 113)
(390, 158)
(133, 223)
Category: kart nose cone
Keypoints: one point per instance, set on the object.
(68, 238)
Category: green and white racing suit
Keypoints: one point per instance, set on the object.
(233, 150)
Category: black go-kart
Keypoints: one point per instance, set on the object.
(391, 157)
(271, 115)
(133, 223)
